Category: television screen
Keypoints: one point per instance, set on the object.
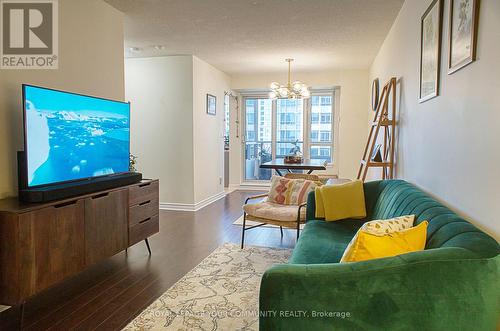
(70, 136)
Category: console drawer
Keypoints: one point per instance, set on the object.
(143, 210)
(143, 230)
(143, 192)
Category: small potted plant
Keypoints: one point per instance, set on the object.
(132, 163)
(294, 155)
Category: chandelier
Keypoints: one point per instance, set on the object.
(295, 90)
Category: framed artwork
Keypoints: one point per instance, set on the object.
(211, 104)
(375, 93)
(464, 16)
(430, 51)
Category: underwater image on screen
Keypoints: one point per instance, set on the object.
(70, 136)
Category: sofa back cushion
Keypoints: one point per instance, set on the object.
(394, 198)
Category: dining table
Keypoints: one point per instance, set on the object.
(308, 165)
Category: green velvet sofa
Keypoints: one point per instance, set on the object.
(453, 284)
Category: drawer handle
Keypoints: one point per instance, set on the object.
(144, 203)
(144, 221)
(145, 184)
(64, 204)
(100, 196)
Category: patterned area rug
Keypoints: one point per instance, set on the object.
(221, 293)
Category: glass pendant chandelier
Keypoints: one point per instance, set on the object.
(295, 90)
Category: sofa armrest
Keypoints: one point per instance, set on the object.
(372, 193)
(392, 294)
(311, 207)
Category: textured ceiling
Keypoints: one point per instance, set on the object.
(255, 36)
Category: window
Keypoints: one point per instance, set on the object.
(315, 118)
(250, 135)
(284, 124)
(290, 130)
(314, 135)
(289, 118)
(321, 144)
(325, 136)
(320, 152)
(257, 146)
(326, 118)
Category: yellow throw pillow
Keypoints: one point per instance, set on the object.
(383, 227)
(338, 202)
(369, 246)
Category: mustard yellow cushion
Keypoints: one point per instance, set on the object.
(383, 227)
(287, 191)
(369, 246)
(338, 202)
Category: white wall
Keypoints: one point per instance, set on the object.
(160, 90)
(208, 130)
(354, 100)
(172, 135)
(449, 144)
(90, 62)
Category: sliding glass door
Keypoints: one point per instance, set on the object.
(273, 128)
(258, 138)
(321, 121)
(289, 126)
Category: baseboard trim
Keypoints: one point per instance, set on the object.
(250, 187)
(192, 206)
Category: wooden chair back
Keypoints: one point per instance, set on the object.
(292, 175)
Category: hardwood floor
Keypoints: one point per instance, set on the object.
(112, 293)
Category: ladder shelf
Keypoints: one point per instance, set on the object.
(382, 131)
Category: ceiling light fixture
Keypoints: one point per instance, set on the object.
(295, 90)
(134, 49)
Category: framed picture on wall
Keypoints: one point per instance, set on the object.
(464, 17)
(430, 51)
(211, 104)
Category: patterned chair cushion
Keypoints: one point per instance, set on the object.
(274, 211)
(286, 191)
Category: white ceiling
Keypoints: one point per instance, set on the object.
(255, 36)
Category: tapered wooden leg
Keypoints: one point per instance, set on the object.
(147, 244)
(243, 230)
(281, 230)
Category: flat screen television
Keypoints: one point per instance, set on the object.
(73, 137)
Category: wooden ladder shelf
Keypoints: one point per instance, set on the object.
(386, 121)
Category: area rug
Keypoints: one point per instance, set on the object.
(249, 223)
(221, 293)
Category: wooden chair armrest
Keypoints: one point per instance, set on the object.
(256, 197)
